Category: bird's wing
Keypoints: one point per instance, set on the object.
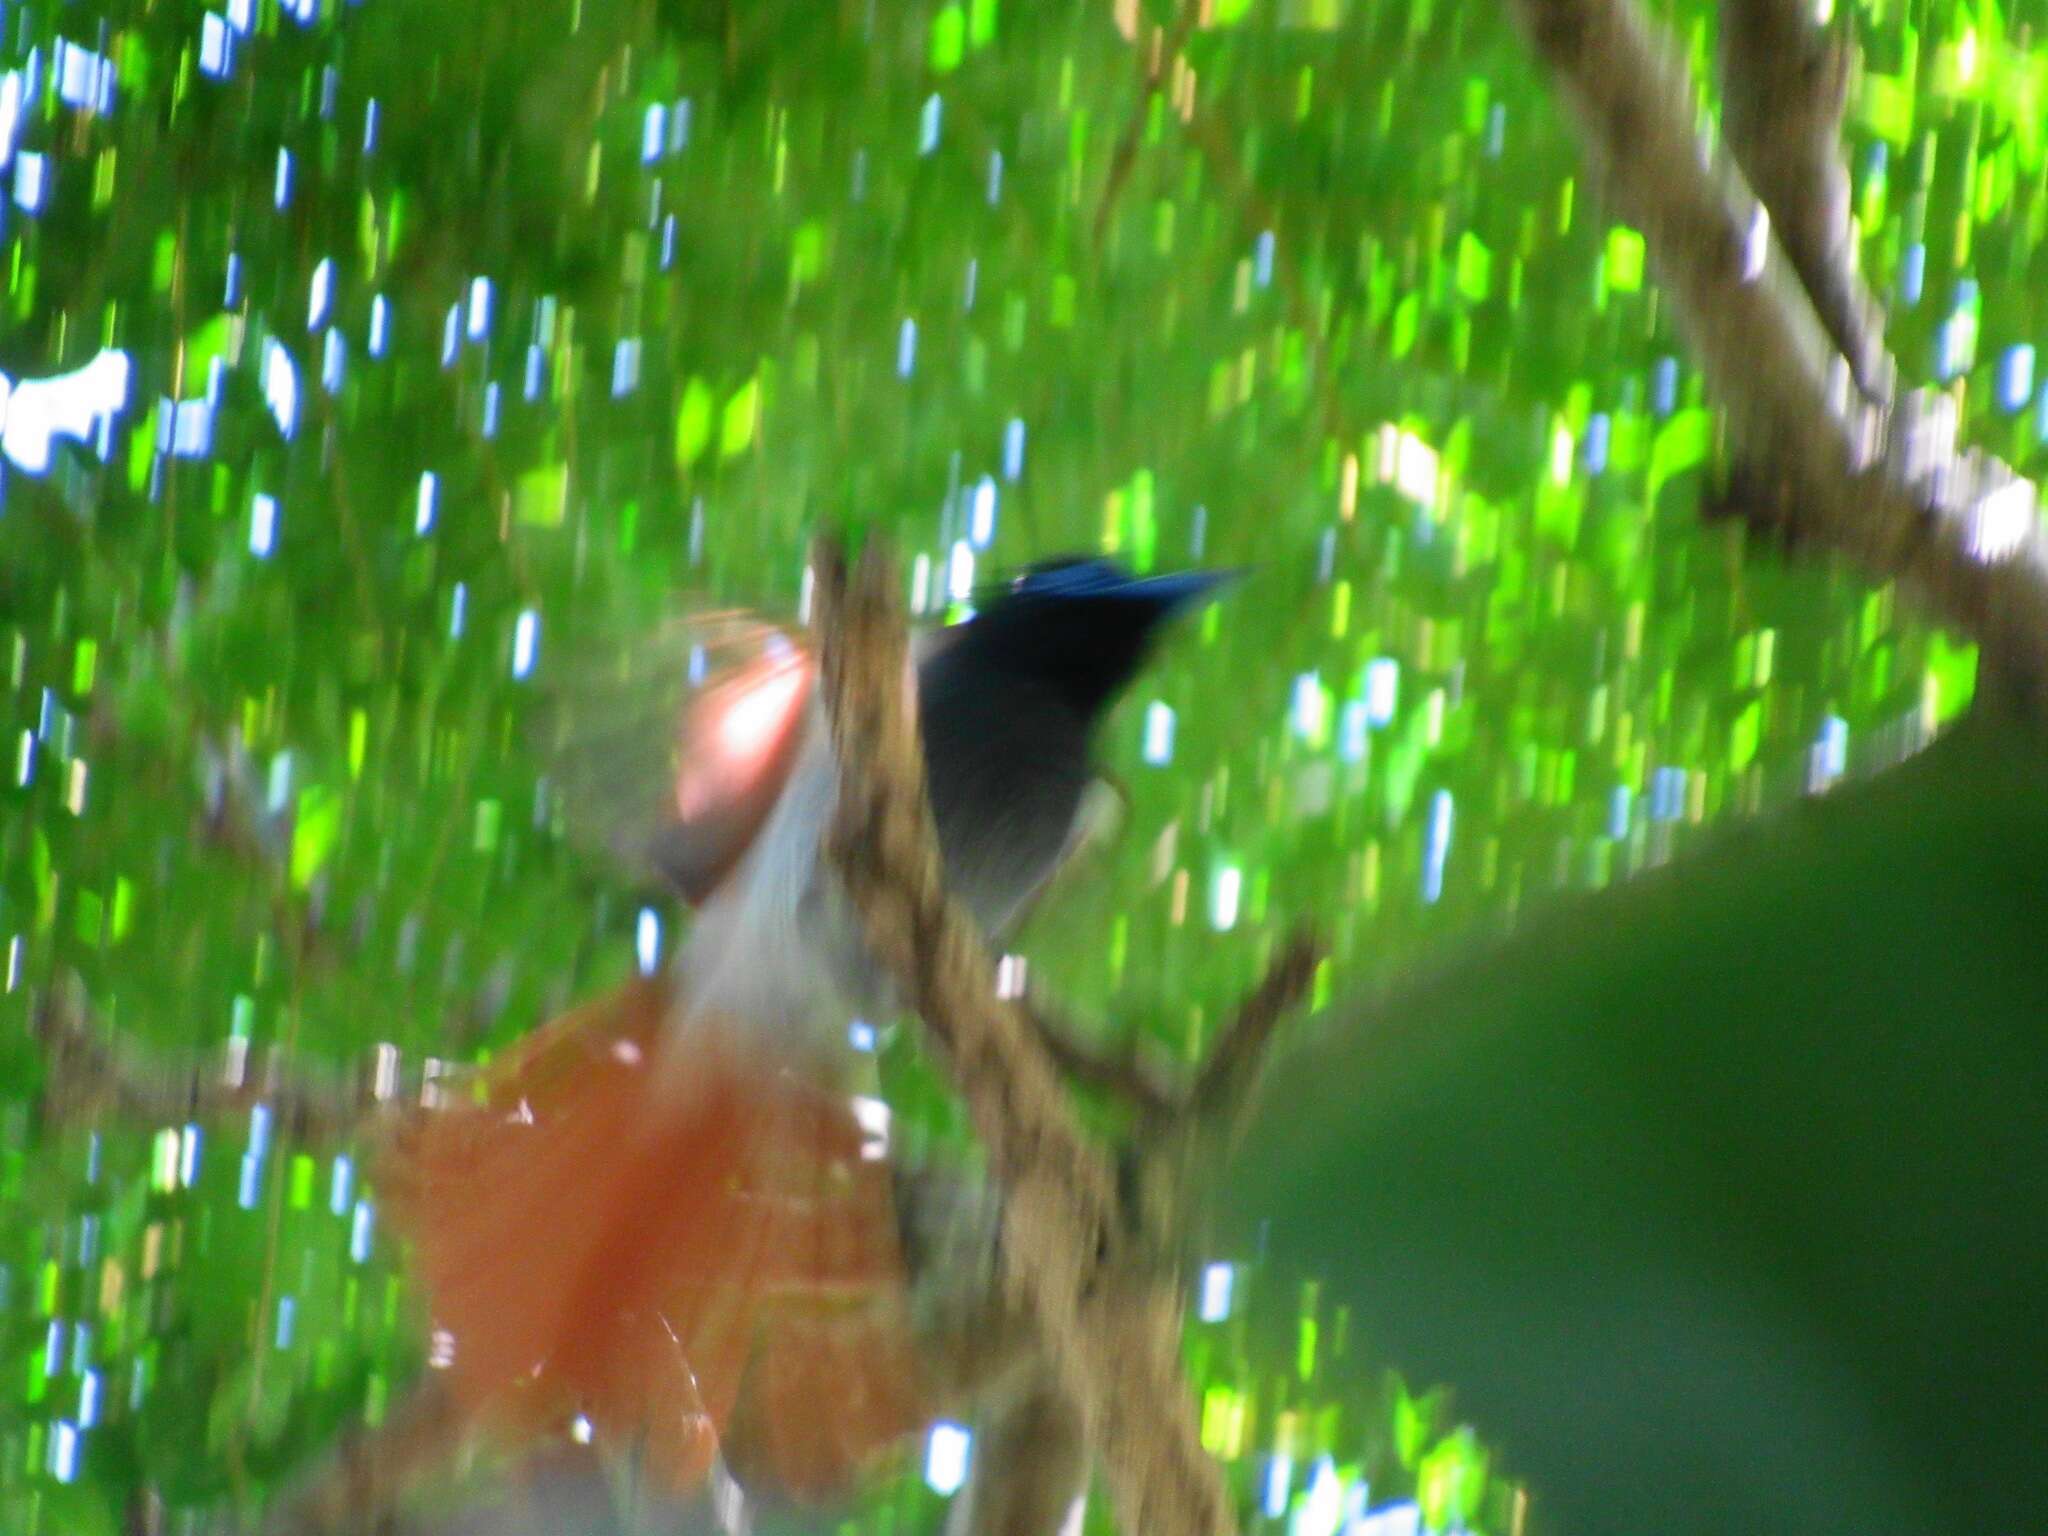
(1104, 807)
(669, 751)
(1098, 818)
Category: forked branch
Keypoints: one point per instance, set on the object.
(1106, 1312)
(1880, 481)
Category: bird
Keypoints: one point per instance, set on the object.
(666, 1218)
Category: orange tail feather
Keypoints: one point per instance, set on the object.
(599, 1239)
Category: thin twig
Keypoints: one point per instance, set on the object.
(1121, 1072)
(1166, 47)
(1886, 488)
(1176, 1154)
(1230, 1074)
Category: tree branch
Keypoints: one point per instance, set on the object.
(1178, 1151)
(1030, 1465)
(1784, 80)
(1110, 1332)
(1121, 1072)
(1885, 487)
(1152, 71)
(1231, 1073)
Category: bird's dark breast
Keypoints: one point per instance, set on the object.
(1006, 766)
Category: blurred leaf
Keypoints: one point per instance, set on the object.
(693, 422)
(949, 39)
(736, 429)
(315, 831)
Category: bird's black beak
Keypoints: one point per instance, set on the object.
(1183, 589)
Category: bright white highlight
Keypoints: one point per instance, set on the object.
(1308, 708)
(1999, 524)
(31, 181)
(281, 386)
(1437, 848)
(64, 1451)
(1403, 1519)
(360, 1232)
(1322, 1508)
(647, 940)
(872, 1116)
(1382, 689)
(322, 295)
(429, 502)
(1352, 732)
(263, 526)
(1224, 893)
(960, 572)
(525, 643)
(1273, 1487)
(216, 47)
(1218, 1282)
(981, 517)
(947, 1455)
(80, 405)
(1159, 722)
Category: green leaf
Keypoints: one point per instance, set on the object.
(693, 422)
(1951, 676)
(40, 873)
(1682, 443)
(543, 496)
(1625, 251)
(949, 39)
(1884, 106)
(1451, 1482)
(142, 451)
(1747, 733)
(1475, 267)
(736, 428)
(210, 341)
(1407, 323)
(1144, 525)
(315, 832)
(807, 253)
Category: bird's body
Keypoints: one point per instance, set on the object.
(1008, 725)
(672, 1210)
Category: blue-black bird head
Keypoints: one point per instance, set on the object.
(1082, 625)
(1010, 707)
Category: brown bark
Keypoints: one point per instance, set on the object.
(1110, 1330)
(1882, 484)
(1784, 80)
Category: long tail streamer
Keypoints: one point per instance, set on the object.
(693, 1262)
